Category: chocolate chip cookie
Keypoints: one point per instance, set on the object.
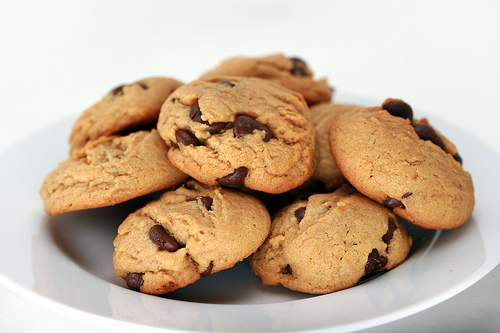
(322, 116)
(403, 163)
(239, 131)
(110, 170)
(292, 73)
(188, 233)
(329, 242)
(124, 108)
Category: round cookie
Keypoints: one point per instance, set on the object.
(322, 116)
(124, 107)
(110, 170)
(194, 231)
(238, 131)
(383, 157)
(292, 73)
(329, 242)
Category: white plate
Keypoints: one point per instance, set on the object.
(66, 260)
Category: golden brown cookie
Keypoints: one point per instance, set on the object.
(329, 242)
(322, 116)
(292, 73)
(110, 170)
(123, 108)
(194, 231)
(402, 163)
(238, 131)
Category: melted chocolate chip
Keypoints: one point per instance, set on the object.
(398, 108)
(244, 125)
(162, 239)
(134, 281)
(299, 67)
(287, 270)
(375, 262)
(207, 202)
(390, 231)
(226, 83)
(299, 213)
(186, 138)
(393, 203)
(216, 127)
(426, 132)
(235, 179)
(208, 270)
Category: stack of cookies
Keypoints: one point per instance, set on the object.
(254, 160)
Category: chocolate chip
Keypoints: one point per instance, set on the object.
(406, 195)
(286, 270)
(426, 132)
(398, 108)
(216, 127)
(393, 203)
(299, 67)
(235, 179)
(118, 90)
(244, 125)
(195, 114)
(457, 158)
(186, 138)
(142, 85)
(299, 213)
(207, 202)
(390, 231)
(226, 83)
(375, 262)
(208, 270)
(134, 281)
(162, 239)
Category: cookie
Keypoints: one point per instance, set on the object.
(330, 242)
(404, 164)
(108, 171)
(292, 73)
(322, 116)
(191, 232)
(239, 131)
(124, 107)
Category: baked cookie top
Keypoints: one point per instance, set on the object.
(110, 170)
(238, 131)
(322, 116)
(403, 163)
(292, 73)
(191, 232)
(125, 107)
(329, 242)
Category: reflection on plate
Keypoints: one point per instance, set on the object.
(68, 259)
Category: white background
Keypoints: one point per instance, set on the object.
(442, 57)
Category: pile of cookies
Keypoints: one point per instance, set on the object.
(254, 160)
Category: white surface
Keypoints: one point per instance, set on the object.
(442, 57)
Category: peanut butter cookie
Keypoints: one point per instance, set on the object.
(238, 131)
(191, 232)
(329, 242)
(403, 163)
